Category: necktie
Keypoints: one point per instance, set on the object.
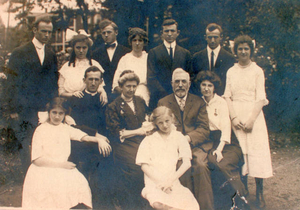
(212, 61)
(110, 45)
(171, 53)
(181, 104)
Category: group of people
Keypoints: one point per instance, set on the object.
(162, 120)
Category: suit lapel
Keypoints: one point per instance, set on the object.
(188, 106)
(166, 56)
(175, 108)
(35, 58)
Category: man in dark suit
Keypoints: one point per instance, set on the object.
(89, 115)
(191, 119)
(213, 57)
(109, 53)
(35, 83)
(162, 60)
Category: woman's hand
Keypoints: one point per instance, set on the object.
(237, 123)
(68, 165)
(78, 94)
(103, 97)
(248, 125)
(165, 186)
(219, 155)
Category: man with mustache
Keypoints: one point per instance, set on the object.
(191, 119)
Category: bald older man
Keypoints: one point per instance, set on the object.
(191, 119)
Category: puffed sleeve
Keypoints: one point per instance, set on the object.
(95, 63)
(121, 67)
(184, 147)
(225, 123)
(143, 153)
(113, 121)
(260, 93)
(227, 92)
(76, 134)
(37, 144)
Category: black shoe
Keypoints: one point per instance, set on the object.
(239, 203)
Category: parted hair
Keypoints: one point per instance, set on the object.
(92, 69)
(57, 102)
(209, 76)
(160, 111)
(168, 22)
(45, 19)
(133, 32)
(213, 26)
(107, 22)
(128, 75)
(241, 39)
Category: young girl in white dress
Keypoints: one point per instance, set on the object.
(158, 155)
(246, 96)
(52, 182)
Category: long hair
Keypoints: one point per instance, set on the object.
(80, 38)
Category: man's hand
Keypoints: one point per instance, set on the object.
(104, 147)
(14, 116)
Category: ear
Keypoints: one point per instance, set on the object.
(178, 32)
(34, 30)
(117, 32)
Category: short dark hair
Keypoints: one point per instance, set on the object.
(213, 26)
(58, 102)
(92, 69)
(45, 19)
(168, 22)
(106, 22)
(128, 75)
(133, 32)
(209, 76)
(241, 39)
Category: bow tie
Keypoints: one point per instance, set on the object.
(110, 45)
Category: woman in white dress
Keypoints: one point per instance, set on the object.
(71, 74)
(136, 61)
(158, 155)
(245, 95)
(52, 182)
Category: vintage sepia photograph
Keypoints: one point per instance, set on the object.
(150, 104)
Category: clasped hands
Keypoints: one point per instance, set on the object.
(165, 186)
(247, 126)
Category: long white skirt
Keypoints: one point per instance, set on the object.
(52, 188)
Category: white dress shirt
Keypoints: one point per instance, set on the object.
(40, 49)
(111, 51)
(168, 45)
(218, 116)
(216, 54)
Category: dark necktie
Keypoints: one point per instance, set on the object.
(171, 53)
(110, 45)
(212, 61)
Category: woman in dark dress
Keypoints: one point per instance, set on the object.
(124, 118)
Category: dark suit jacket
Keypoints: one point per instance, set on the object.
(195, 119)
(224, 61)
(160, 69)
(35, 84)
(100, 55)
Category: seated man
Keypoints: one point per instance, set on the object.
(89, 116)
(191, 119)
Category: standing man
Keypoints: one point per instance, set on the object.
(163, 59)
(109, 53)
(213, 57)
(35, 83)
(191, 119)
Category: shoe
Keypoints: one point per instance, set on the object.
(239, 203)
(260, 202)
